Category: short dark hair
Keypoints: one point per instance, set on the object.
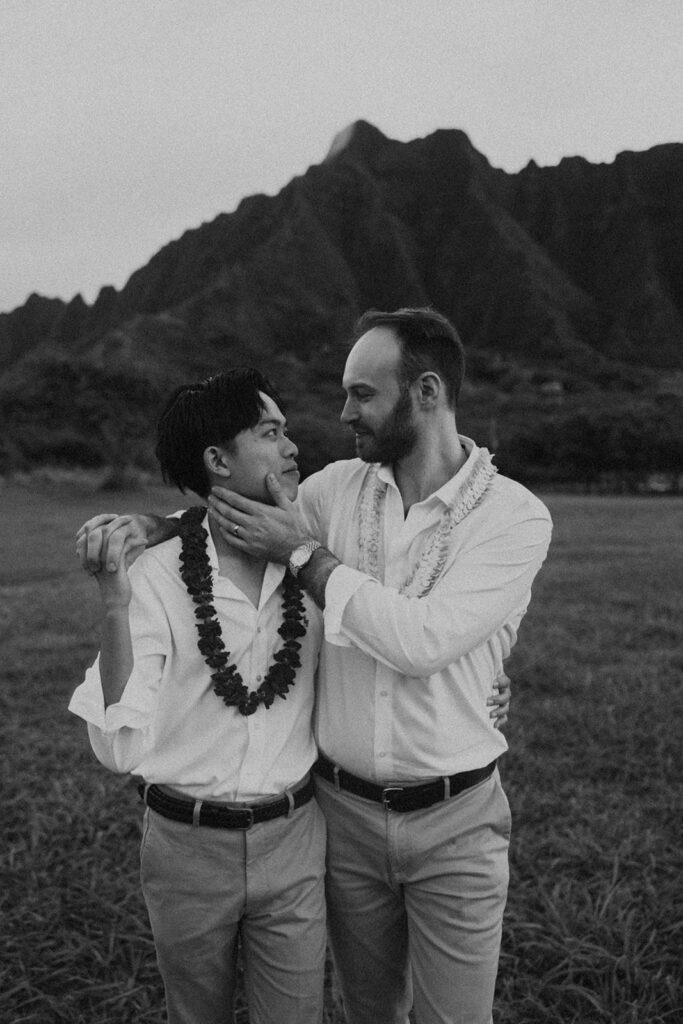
(211, 411)
(428, 342)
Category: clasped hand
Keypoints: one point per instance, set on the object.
(106, 546)
(270, 532)
(107, 541)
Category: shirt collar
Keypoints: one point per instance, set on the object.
(447, 492)
(272, 577)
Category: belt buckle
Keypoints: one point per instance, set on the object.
(386, 796)
(249, 811)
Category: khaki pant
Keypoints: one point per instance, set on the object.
(415, 904)
(203, 887)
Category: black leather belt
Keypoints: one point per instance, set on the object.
(402, 798)
(200, 812)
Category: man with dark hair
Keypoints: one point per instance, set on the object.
(422, 558)
(201, 643)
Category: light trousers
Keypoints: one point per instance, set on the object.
(206, 887)
(415, 904)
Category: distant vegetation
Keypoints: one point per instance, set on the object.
(565, 282)
(77, 413)
(545, 431)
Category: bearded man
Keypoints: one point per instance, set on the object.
(422, 558)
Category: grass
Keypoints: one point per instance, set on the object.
(594, 926)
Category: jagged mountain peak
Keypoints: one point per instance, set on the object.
(359, 138)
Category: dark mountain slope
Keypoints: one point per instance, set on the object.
(570, 276)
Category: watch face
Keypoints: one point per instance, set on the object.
(301, 555)
(298, 558)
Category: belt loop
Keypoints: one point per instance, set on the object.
(196, 811)
(146, 791)
(290, 799)
(446, 787)
(337, 784)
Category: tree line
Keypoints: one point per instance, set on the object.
(79, 413)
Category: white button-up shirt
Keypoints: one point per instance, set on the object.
(403, 681)
(169, 727)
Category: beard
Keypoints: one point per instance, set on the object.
(395, 438)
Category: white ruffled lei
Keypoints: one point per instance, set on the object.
(433, 558)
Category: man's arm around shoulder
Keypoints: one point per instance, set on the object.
(106, 541)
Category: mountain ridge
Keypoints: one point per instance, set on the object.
(572, 273)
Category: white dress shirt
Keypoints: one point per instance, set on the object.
(403, 681)
(169, 727)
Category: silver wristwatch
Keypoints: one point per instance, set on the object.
(300, 556)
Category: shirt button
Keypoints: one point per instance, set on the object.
(259, 678)
(382, 753)
(383, 693)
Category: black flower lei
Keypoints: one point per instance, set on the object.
(195, 572)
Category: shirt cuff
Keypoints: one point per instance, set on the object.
(88, 703)
(339, 589)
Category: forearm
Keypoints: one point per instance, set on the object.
(317, 572)
(421, 636)
(105, 541)
(482, 593)
(116, 654)
(160, 528)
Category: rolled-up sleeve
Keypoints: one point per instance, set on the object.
(487, 584)
(121, 734)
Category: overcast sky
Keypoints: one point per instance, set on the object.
(126, 122)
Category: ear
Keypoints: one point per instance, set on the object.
(429, 387)
(216, 461)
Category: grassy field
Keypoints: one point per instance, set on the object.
(594, 926)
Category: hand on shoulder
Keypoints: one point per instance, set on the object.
(106, 541)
